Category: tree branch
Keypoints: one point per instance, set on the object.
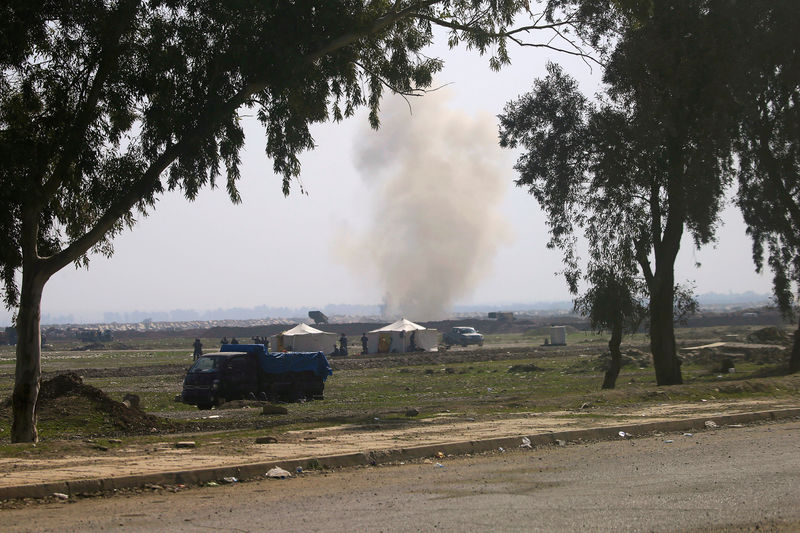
(151, 177)
(118, 22)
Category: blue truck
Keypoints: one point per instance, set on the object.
(242, 371)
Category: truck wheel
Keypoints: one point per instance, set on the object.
(205, 406)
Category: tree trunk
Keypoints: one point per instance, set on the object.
(610, 380)
(794, 360)
(29, 351)
(662, 335)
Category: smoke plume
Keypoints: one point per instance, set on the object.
(436, 181)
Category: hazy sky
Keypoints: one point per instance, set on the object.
(278, 251)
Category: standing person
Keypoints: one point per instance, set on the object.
(224, 340)
(364, 343)
(342, 345)
(198, 349)
(412, 344)
(234, 341)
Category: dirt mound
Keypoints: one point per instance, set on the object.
(602, 362)
(66, 395)
(768, 335)
(89, 347)
(714, 357)
(530, 367)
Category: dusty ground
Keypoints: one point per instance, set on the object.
(732, 480)
(83, 460)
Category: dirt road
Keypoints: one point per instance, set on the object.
(733, 479)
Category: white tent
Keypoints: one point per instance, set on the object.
(402, 336)
(303, 338)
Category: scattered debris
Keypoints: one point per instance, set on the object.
(185, 444)
(623, 434)
(230, 479)
(131, 401)
(266, 440)
(586, 405)
(526, 443)
(440, 455)
(66, 395)
(278, 473)
(212, 484)
(688, 434)
(412, 412)
(439, 465)
(61, 496)
(272, 409)
(528, 367)
(561, 442)
(727, 366)
(299, 469)
(669, 441)
(710, 424)
(768, 335)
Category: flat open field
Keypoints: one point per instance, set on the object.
(511, 374)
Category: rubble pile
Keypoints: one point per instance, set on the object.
(67, 395)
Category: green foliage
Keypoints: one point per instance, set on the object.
(106, 104)
(612, 302)
(650, 160)
(768, 146)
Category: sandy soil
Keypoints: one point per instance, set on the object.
(161, 456)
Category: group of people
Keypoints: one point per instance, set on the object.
(261, 340)
(340, 350)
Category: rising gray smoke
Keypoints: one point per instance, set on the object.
(436, 180)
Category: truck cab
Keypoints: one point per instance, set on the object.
(220, 376)
(241, 371)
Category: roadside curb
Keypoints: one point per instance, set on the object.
(257, 470)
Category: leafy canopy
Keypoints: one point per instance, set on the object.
(105, 104)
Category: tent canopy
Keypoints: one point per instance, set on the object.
(401, 337)
(302, 329)
(303, 338)
(400, 325)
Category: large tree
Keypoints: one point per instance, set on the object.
(647, 163)
(105, 104)
(768, 147)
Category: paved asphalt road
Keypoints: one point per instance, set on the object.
(732, 479)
